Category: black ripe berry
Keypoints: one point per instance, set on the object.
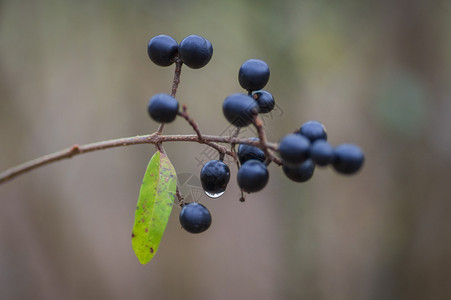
(163, 108)
(214, 177)
(247, 152)
(252, 176)
(348, 159)
(294, 149)
(162, 49)
(322, 153)
(253, 75)
(313, 130)
(265, 101)
(195, 218)
(240, 109)
(195, 51)
(301, 172)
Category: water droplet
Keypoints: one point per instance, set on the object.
(214, 195)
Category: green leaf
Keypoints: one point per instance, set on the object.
(156, 199)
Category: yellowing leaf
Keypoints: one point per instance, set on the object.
(156, 199)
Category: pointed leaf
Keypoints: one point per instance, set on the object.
(155, 203)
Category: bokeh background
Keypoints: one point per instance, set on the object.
(376, 73)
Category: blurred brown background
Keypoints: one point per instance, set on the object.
(376, 73)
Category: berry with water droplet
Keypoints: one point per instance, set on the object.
(214, 176)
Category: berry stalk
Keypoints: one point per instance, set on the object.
(258, 123)
(175, 82)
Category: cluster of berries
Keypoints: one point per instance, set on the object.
(193, 51)
(300, 151)
(303, 150)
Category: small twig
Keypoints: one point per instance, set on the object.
(177, 72)
(160, 148)
(184, 114)
(235, 135)
(175, 85)
(258, 123)
(219, 148)
(179, 196)
(222, 150)
(232, 145)
(233, 148)
(237, 162)
(221, 156)
(160, 128)
(242, 197)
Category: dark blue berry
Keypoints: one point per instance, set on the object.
(240, 109)
(253, 75)
(162, 49)
(252, 176)
(265, 101)
(294, 149)
(322, 153)
(195, 51)
(195, 218)
(246, 152)
(163, 108)
(313, 130)
(214, 176)
(348, 158)
(300, 173)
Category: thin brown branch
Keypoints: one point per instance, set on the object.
(160, 128)
(179, 196)
(154, 138)
(235, 135)
(238, 165)
(184, 114)
(175, 85)
(177, 72)
(233, 147)
(258, 123)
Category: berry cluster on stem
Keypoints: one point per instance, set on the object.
(298, 153)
